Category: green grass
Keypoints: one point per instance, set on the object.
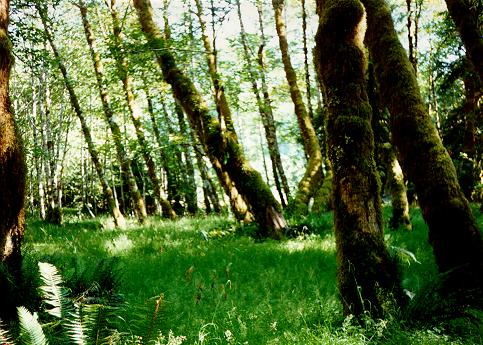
(220, 286)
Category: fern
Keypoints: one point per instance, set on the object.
(30, 329)
(5, 337)
(53, 293)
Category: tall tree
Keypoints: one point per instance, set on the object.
(467, 17)
(186, 165)
(313, 174)
(108, 192)
(453, 232)
(124, 161)
(12, 170)
(266, 114)
(220, 145)
(367, 276)
(135, 112)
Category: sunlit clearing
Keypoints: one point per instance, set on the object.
(327, 244)
(120, 245)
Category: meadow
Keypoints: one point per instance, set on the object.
(209, 280)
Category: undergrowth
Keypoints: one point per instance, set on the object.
(210, 282)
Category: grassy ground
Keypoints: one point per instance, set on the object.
(217, 285)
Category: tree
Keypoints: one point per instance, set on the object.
(135, 112)
(12, 169)
(220, 144)
(453, 233)
(366, 274)
(122, 155)
(467, 17)
(313, 174)
(108, 192)
(265, 109)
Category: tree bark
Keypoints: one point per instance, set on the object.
(221, 146)
(367, 276)
(453, 232)
(466, 18)
(108, 193)
(12, 174)
(313, 174)
(135, 112)
(126, 169)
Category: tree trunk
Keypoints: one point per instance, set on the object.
(190, 193)
(397, 188)
(468, 23)
(108, 193)
(306, 61)
(126, 169)
(221, 146)
(135, 113)
(12, 175)
(222, 106)
(453, 232)
(266, 114)
(313, 174)
(367, 276)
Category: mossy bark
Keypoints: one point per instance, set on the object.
(367, 276)
(220, 145)
(127, 173)
(135, 112)
(397, 188)
(12, 177)
(118, 217)
(468, 22)
(313, 174)
(453, 233)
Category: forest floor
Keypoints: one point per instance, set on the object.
(208, 280)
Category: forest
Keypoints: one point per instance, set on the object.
(241, 172)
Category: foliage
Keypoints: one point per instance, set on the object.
(227, 287)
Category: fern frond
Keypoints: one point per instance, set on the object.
(52, 291)
(30, 329)
(5, 337)
(76, 328)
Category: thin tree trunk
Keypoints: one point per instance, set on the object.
(367, 277)
(313, 174)
(126, 169)
(12, 174)
(266, 114)
(221, 147)
(466, 17)
(135, 113)
(116, 213)
(453, 232)
(306, 62)
(221, 102)
(188, 167)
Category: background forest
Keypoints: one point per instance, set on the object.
(242, 171)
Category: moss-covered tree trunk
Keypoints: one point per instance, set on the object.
(467, 17)
(453, 232)
(385, 157)
(367, 276)
(12, 169)
(220, 145)
(397, 187)
(313, 174)
(108, 193)
(266, 115)
(135, 112)
(125, 164)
